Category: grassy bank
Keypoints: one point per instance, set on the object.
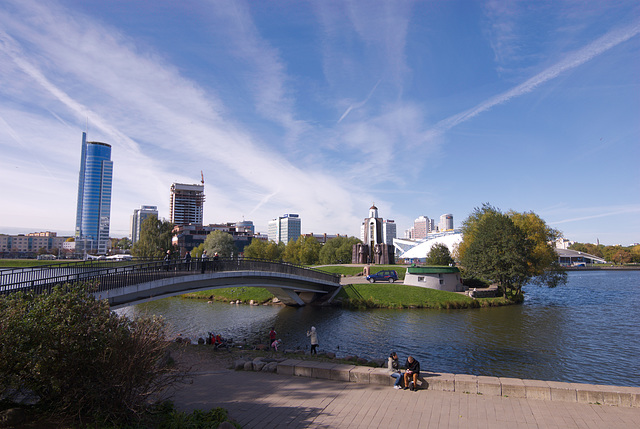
(349, 270)
(244, 294)
(401, 296)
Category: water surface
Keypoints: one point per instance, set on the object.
(586, 331)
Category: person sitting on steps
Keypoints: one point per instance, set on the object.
(412, 374)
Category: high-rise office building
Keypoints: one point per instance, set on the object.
(187, 204)
(285, 228)
(139, 216)
(446, 222)
(93, 212)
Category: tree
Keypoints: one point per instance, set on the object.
(291, 252)
(439, 255)
(155, 239)
(498, 252)
(338, 250)
(274, 251)
(543, 254)
(220, 242)
(309, 250)
(123, 244)
(82, 360)
(256, 249)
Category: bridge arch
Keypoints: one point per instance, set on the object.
(126, 283)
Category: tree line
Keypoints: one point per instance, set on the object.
(156, 235)
(616, 254)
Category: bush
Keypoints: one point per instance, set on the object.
(80, 360)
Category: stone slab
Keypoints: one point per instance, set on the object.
(562, 391)
(322, 370)
(305, 369)
(537, 389)
(465, 383)
(360, 374)
(489, 386)
(286, 367)
(442, 381)
(380, 376)
(590, 394)
(513, 387)
(341, 372)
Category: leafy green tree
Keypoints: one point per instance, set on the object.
(309, 252)
(291, 252)
(123, 244)
(197, 251)
(439, 255)
(621, 256)
(83, 361)
(220, 242)
(498, 251)
(274, 251)
(543, 254)
(155, 239)
(256, 249)
(337, 250)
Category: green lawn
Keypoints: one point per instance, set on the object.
(244, 294)
(348, 270)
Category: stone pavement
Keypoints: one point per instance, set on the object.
(267, 400)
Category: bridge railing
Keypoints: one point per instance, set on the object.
(107, 275)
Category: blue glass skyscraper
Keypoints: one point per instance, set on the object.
(94, 197)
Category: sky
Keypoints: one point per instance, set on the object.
(323, 108)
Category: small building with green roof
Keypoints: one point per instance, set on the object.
(435, 277)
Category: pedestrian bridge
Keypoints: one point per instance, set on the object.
(132, 282)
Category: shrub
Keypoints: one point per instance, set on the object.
(79, 359)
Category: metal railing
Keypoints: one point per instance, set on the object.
(109, 275)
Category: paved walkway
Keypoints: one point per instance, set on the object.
(267, 400)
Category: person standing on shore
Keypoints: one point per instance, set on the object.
(272, 336)
(314, 340)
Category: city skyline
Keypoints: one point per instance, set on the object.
(322, 108)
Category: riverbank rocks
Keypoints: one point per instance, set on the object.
(257, 364)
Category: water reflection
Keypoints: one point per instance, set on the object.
(586, 331)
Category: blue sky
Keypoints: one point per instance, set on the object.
(322, 108)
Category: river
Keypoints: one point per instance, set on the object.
(587, 331)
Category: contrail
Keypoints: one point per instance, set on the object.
(360, 104)
(592, 50)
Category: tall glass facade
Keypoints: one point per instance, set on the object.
(94, 197)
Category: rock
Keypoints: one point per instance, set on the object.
(258, 359)
(351, 358)
(270, 367)
(251, 302)
(248, 366)
(289, 351)
(258, 365)
(275, 300)
(238, 365)
(331, 355)
(261, 347)
(361, 361)
(268, 360)
(379, 362)
(232, 302)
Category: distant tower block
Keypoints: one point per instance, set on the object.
(187, 204)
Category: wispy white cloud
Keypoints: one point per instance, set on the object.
(601, 212)
(571, 61)
(181, 121)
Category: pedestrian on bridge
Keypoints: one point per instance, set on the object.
(314, 340)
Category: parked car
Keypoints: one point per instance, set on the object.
(384, 275)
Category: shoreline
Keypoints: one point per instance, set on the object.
(203, 360)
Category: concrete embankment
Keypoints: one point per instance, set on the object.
(471, 384)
